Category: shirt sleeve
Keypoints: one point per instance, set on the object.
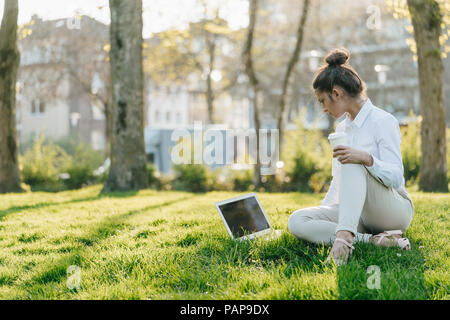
(389, 166)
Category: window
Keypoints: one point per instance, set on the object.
(33, 107)
(37, 108)
(178, 117)
(168, 117)
(151, 157)
(98, 140)
(41, 107)
(97, 113)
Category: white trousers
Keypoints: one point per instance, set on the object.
(366, 207)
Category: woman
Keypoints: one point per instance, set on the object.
(367, 200)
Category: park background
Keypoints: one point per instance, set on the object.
(232, 65)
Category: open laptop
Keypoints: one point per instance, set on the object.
(245, 218)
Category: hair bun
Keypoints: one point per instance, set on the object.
(337, 57)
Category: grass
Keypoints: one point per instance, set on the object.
(173, 245)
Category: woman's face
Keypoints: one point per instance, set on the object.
(332, 103)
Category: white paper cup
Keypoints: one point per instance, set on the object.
(337, 139)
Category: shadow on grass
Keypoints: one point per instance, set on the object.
(105, 229)
(216, 264)
(15, 209)
(208, 264)
(400, 274)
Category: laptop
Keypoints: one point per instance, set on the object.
(245, 218)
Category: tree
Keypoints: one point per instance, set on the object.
(87, 59)
(211, 30)
(128, 158)
(249, 69)
(173, 56)
(9, 64)
(426, 19)
(281, 114)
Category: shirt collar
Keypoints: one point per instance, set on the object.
(362, 114)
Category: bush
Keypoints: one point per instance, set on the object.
(65, 164)
(220, 179)
(411, 151)
(304, 168)
(307, 155)
(242, 180)
(156, 180)
(271, 183)
(41, 165)
(79, 176)
(84, 161)
(191, 177)
(152, 180)
(411, 148)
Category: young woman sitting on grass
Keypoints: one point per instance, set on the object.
(367, 200)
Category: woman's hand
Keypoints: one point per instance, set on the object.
(347, 154)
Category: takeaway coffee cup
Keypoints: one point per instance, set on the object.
(337, 138)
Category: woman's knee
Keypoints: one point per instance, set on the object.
(353, 168)
(297, 222)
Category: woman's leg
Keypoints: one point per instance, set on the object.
(318, 224)
(366, 207)
(384, 208)
(352, 196)
(315, 224)
(363, 198)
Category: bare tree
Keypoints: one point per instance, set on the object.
(211, 48)
(285, 95)
(427, 19)
(128, 158)
(9, 64)
(212, 31)
(249, 69)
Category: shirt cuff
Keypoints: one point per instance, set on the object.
(375, 168)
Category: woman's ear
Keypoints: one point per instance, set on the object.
(336, 92)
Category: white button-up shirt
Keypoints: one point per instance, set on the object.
(377, 132)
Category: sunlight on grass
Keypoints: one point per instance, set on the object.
(173, 245)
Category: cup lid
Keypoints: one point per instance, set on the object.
(336, 135)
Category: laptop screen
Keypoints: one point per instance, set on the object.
(244, 217)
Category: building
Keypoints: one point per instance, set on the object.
(53, 95)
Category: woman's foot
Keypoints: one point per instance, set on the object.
(342, 248)
(391, 239)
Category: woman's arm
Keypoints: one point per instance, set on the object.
(389, 166)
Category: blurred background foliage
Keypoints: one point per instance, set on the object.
(55, 165)
(68, 163)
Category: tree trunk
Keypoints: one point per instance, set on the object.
(248, 62)
(257, 120)
(285, 95)
(128, 158)
(9, 63)
(107, 112)
(209, 89)
(426, 20)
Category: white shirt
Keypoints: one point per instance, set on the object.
(377, 132)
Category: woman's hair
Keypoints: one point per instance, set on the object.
(338, 72)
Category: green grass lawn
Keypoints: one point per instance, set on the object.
(173, 245)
